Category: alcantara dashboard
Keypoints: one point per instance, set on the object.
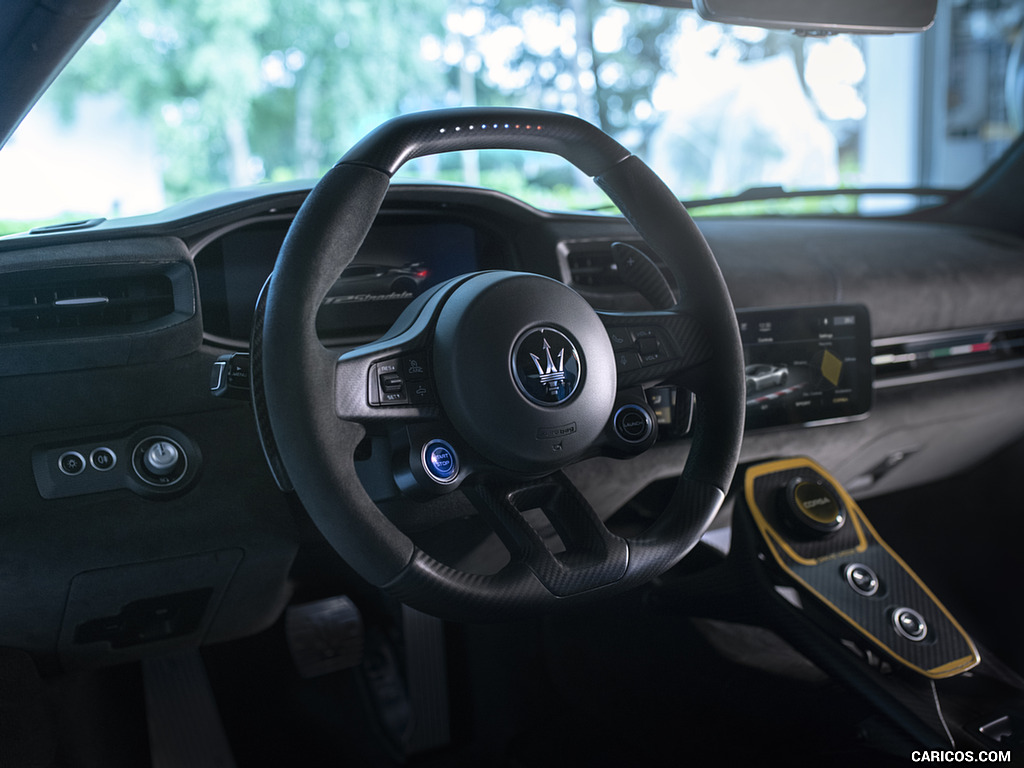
(803, 364)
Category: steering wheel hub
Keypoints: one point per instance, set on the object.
(524, 370)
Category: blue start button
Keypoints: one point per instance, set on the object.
(440, 461)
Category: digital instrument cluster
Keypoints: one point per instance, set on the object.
(402, 256)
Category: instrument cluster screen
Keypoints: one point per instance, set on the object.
(806, 364)
(401, 257)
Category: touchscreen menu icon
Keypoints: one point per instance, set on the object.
(830, 366)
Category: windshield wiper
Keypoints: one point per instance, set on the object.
(780, 193)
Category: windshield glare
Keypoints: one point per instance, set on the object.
(167, 100)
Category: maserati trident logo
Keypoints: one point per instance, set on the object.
(551, 377)
(546, 366)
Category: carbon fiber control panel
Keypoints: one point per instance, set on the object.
(814, 532)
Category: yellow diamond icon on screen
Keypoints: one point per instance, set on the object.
(831, 368)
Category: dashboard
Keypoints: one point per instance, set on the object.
(803, 364)
(892, 351)
(405, 254)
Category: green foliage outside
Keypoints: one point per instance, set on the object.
(839, 205)
(14, 227)
(237, 91)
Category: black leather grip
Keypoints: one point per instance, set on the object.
(450, 130)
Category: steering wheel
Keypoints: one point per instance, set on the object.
(494, 382)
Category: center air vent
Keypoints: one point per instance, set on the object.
(593, 267)
(89, 301)
(946, 354)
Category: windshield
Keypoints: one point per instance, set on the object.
(169, 100)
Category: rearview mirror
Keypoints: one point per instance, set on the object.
(863, 17)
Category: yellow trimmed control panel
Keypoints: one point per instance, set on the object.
(818, 536)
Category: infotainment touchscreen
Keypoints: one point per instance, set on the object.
(806, 364)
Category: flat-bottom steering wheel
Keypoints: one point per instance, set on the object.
(497, 381)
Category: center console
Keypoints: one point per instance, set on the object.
(818, 537)
(805, 562)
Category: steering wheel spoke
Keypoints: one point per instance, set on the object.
(549, 527)
(391, 378)
(385, 382)
(655, 346)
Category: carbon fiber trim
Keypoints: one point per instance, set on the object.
(593, 556)
(516, 592)
(687, 341)
(259, 397)
(767, 497)
(636, 269)
(945, 651)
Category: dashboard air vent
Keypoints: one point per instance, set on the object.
(593, 267)
(82, 301)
